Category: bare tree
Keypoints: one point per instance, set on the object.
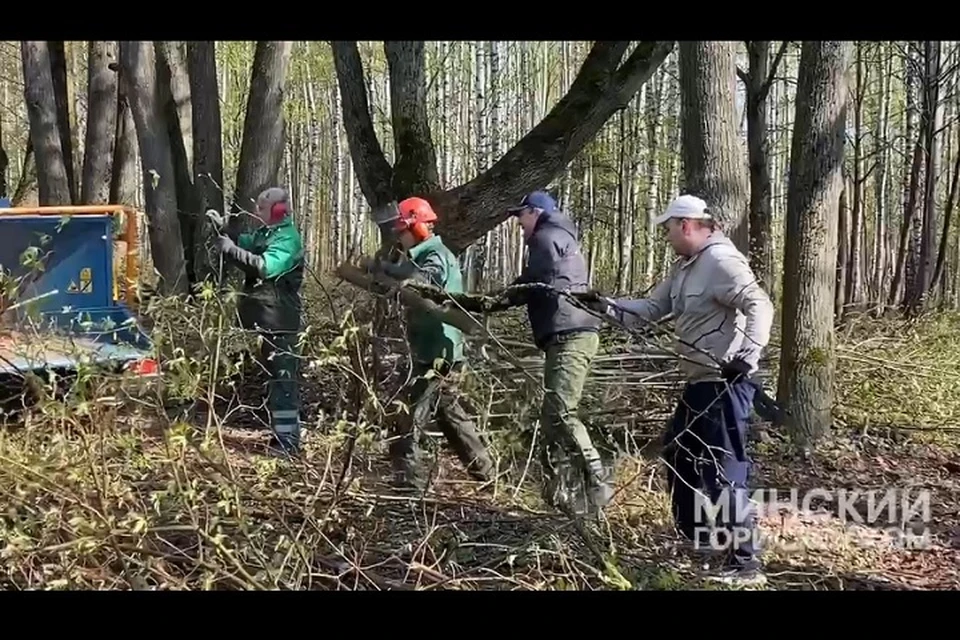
(712, 156)
(807, 356)
(263, 128)
(51, 170)
(138, 75)
(102, 101)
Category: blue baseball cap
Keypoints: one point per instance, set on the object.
(536, 200)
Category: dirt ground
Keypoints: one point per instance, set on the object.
(465, 535)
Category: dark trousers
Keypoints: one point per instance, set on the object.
(437, 395)
(708, 466)
(279, 356)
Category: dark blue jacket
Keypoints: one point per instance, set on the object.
(554, 259)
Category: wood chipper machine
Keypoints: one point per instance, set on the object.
(63, 301)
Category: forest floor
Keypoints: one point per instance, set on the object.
(102, 489)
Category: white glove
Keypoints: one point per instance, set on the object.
(216, 219)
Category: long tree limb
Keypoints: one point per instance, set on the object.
(601, 88)
(372, 169)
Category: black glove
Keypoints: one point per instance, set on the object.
(594, 301)
(250, 262)
(734, 369)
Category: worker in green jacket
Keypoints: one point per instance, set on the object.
(272, 258)
(437, 353)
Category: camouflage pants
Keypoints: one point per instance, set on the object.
(278, 354)
(570, 460)
(437, 395)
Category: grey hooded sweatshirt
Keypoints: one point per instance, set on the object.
(719, 307)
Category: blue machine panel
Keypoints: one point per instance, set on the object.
(77, 257)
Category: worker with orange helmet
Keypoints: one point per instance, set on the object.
(435, 347)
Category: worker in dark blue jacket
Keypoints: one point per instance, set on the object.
(567, 334)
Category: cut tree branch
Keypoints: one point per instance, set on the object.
(382, 285)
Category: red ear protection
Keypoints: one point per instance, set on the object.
(277, 211)
(420, 231)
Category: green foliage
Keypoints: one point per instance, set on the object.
(900, 374)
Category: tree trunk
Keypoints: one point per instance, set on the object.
(712, 158)
(51, 170)
(807, 356)
(66, 121)
(27, 193)
(207, 136)
(263, 127)
(853, 286)
(101, 133)
(138, 75)
(123, 179)
(759, 81)
(4, 162)
(174, 86)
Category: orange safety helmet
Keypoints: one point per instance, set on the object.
(415, 214)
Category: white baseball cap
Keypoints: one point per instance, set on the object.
(685, 207)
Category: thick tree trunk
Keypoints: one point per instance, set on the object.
(807, 356)
(123, 179)
(174, 87)
(66, 120)
(415, 171)
(263, 128)
(101, 133)
(207, 136)
(207, 170)
(712, 156)
(27, 193)
(4, 162)
(138, 75)
(52, 177)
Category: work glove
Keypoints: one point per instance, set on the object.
(735, 369)
(250, 262)
(595, 302)
(218, 221)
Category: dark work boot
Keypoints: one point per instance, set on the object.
(482, 468)
(406, 474)
(284, 445)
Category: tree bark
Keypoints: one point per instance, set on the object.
(263, 128)
(4, 162)
(123, 179)
(759, 80)
(66, 122)
(415, 171)
(138, 75)
(207, 133)
(174, 90)
(712, 156)
(807, 356)
(101, 133)
(51, 169)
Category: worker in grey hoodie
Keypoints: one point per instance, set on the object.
(722, 320)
